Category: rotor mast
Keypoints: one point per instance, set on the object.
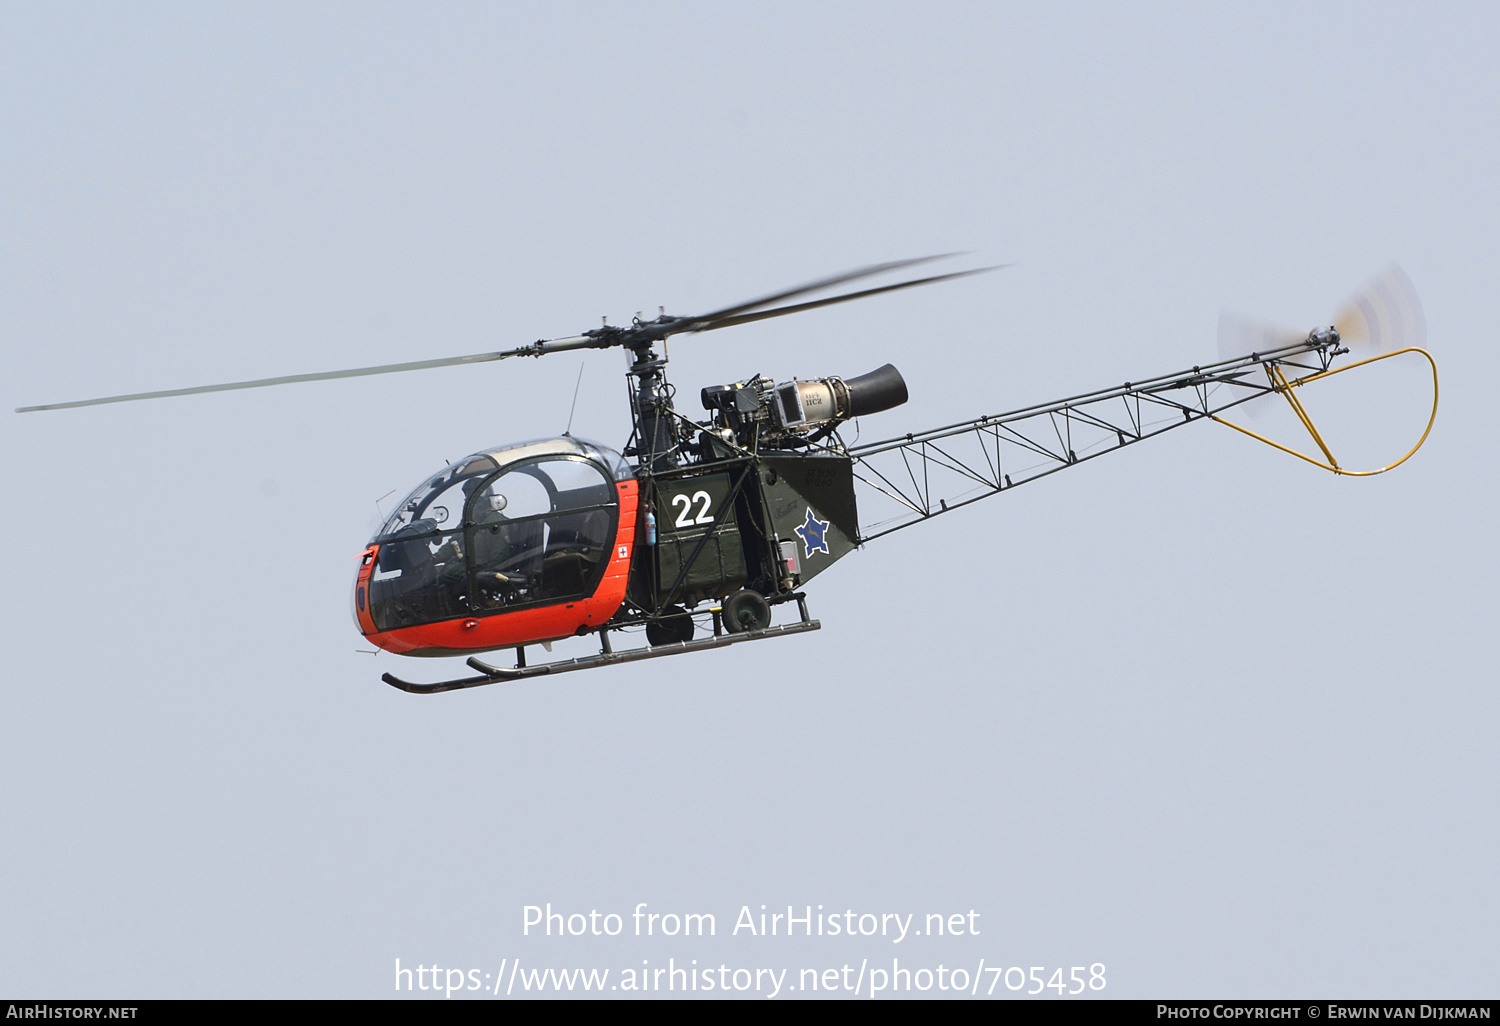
(651, 401)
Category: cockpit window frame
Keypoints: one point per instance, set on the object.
(607, 461)
(521, 466)
(519, 572)
(427, 493)
(611, 506)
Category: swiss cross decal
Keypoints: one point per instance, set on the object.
(814, 534)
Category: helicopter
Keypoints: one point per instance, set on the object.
(715, 523)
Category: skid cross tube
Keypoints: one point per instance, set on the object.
(978, 458)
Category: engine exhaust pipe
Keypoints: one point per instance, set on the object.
(879, 390)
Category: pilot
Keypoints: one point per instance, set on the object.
(488, 507)
(449, 556)
(485, 508)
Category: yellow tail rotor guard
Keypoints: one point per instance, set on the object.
(1285, 387)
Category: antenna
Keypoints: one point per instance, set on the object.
(378, 511)
(576, 386)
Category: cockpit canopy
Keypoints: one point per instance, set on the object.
(512, 528)
(440, 502)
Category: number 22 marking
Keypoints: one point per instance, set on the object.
(704, 516)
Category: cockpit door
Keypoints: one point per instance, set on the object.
(540, 532)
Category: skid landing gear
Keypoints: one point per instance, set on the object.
(606, 657)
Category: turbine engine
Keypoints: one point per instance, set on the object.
(791, 411)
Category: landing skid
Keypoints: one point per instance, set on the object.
(608, 657)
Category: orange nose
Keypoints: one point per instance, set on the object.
(362, 590)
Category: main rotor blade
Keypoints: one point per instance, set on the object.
(820, 283)
(289, 379)
(740, 313)
(760, 315)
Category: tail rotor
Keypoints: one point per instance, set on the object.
(1383, 315)
(1383, 318)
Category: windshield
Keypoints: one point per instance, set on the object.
(438, 503)
(474, 541)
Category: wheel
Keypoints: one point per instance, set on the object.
(746, 611)
(674, 625)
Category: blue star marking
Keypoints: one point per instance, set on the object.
(812, 534)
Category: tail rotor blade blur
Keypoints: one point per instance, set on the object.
(1385, 314)
(1240, 335)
